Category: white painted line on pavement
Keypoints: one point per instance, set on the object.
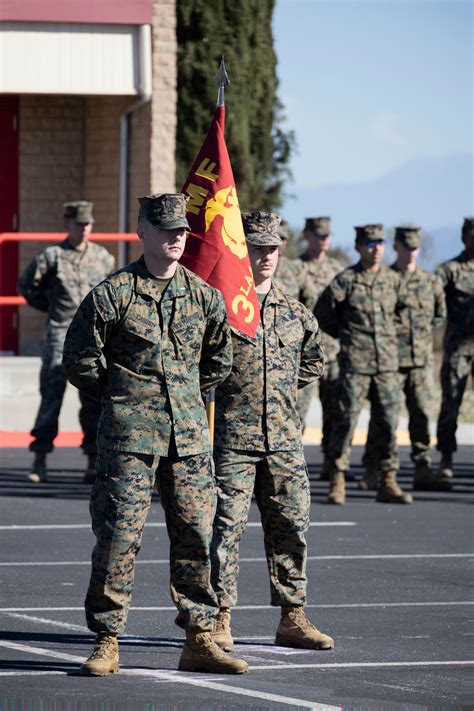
(170, 608)
(72, 526)
(180, 678)
(31, 673)
(364, 665)
(163, 561)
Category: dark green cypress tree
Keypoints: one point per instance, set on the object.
(259, 147)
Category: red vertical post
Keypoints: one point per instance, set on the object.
(9, 218)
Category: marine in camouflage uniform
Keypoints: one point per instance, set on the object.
(423, 308)
(258, 446)
(457, 277)
(358, 307)
(150, 340)
(55, 282)
(291, 275)
(321, 270)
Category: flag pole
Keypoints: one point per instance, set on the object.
(222, 81)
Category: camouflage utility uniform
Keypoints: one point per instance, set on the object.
(161, 351)
(321, 274)
(258, 439)
(457, 277)
(56, 282)
(358, 307)
(422, 308)
(293, 279)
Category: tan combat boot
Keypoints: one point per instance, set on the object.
(426, 480)
(337, 489)
(222, 634)
(370, 480)
(389, 492)
(89, 474)
(201, 654)
(295, 630)
(38, 471)
(445, 469)
(104, 658)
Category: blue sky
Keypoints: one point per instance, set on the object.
(370, 84)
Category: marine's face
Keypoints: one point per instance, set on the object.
(406, 257)
(78, 232)
(317, 242)
(264, 261)
(371, 252)
(162, 244)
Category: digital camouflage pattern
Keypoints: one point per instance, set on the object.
(457, 277)
(166, 210)
(262, 228)
(281, 485)
(422, 308)
(320, 226)
(417, 386)
(161, 352)
(359, 307)
(292, 278)
(80, 210)
(258, 447)
(120, 501)
(55, 282)
(256, 404)
(382, 390)
(320, 275)
(53, 383)
(59, 277)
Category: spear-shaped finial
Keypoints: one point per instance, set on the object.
(222, 81)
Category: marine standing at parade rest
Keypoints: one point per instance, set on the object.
(291, 275)
(258, 447)
(423, 308)
(358, 307)
(321, 269)
(150, 340)
(55, 282)
(457, 276)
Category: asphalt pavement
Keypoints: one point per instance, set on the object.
(391, 584)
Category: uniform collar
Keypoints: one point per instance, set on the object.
(177, 287)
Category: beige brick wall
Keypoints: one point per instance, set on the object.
(69, 150)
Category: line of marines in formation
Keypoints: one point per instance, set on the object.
(145, 344)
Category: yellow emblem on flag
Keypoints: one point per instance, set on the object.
(226, 203)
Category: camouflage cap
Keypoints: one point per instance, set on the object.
(320, 226)
(369, 232)
(261, 228)
(409, 236)
(468, 226)
(166, 210)
(80, 210)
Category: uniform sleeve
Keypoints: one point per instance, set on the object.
(83, 355)
(216, 355)
(312, 354)
(328, 306)
(32, 284)
(443, 273)
(440, 302)
(308, 293)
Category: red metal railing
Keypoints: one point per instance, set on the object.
(55, 237)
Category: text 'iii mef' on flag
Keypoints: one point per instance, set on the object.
(216, 249)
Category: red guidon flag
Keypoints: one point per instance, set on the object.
(216, 249)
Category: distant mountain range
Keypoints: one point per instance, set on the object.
(434, 193)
